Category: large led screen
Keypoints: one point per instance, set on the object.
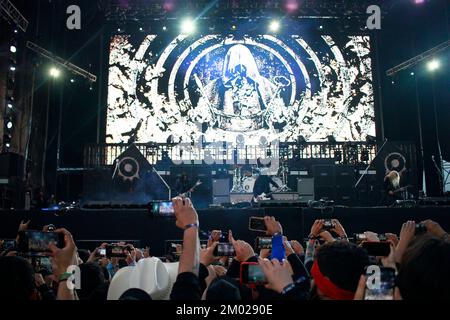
(228, 88)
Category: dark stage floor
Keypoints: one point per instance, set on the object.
(137, 225)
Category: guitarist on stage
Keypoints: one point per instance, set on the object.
(262, 188)
(392, 188)
(183, 185)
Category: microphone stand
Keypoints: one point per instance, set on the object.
(370, 164)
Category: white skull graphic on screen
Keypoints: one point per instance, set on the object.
(241, 93)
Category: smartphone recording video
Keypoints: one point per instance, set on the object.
(161, 209)
(8, 245)
(257, 224)
(252, 274)
(102, 252)
(116, 251)
(378, 249)
(382, 289)
(224, 249)
(359, 237)
(328, 224)
(38, 242)
(263, 243)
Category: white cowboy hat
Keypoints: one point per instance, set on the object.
(150, 274)
(119, 283)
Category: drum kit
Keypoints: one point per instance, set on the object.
(244, 180)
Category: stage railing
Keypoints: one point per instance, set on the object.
(103, 155)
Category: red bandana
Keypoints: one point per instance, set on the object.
(327, 287)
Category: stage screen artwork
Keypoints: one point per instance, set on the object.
(230, 88)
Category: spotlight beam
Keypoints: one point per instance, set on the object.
(414, 61)
(60, 61)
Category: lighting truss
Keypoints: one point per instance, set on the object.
(115, 10)
(417, 59)
(11, 11)
(60, 61)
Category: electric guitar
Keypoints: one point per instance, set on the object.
(191, 189)
(264, 196)
(401, 189)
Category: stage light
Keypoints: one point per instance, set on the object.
(13, 49)
(291, 5)
(9, 105)
(12, 68)
(119, 30)
(72, 80)
(419, 1)
(9, 124)
(433, 65)
(412, 73)
(233, 27)
(140, 29)
(187, 26)
(16, 31)
(274, 26)
(7, 145)
(54, 72)
(164, 28)
(321, 27)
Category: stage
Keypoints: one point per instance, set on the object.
(91, 226)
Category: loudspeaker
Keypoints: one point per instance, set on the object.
(305, 186)
(221, 187)
(323, 175)
(344, 176)
(221, 191)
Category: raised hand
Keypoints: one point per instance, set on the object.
(207, 255)
(65, 257)
(339, 229)
(243, 250)
(326, 236)
(316, 228)
(434, 228)
(184, 212)
(272, 226)
(298, 248)
(371, 236)
(278, 275)
(406, 235)
(23, 226)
